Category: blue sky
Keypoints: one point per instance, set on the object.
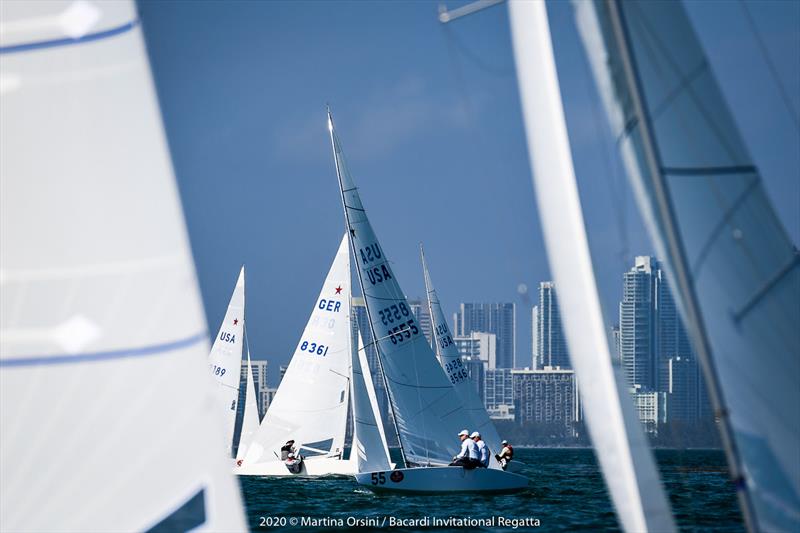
(429, 118)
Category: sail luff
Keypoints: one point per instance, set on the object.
(620, 445)
(250, 418)
(678, 266)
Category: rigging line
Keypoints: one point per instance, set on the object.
(762, 47)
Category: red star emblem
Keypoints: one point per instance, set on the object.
(339, 289)
(235, 321)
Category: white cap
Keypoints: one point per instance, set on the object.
(504, 442)
(474, 434)
(463, 432)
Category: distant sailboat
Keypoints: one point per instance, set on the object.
(457, 373)
(225, 361)
(428, 411)
(311, 404)
(734, 270)
(107, 415)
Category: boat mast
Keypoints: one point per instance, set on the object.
(679, 263)
(349, 230)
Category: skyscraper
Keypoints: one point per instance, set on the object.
(547, 396)
(497, 318)
(534, 336)
(654, 347)
(478, 345)
(550, 341)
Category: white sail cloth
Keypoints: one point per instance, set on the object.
(734, 270)
(454, 367)
(620, 446)
(107, 414)
(427, 409)
(311, 403)
(250, 418)
(225, 360)
(369, 450)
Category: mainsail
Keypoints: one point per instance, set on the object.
(369, 451)
(454, 367)
(225, 360)
(734, 269)
(107, 415)
(427, 409)
(311, 403)
(619, 442)
(250, 418)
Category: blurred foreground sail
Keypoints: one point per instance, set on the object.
(107, 414)
(735, 271)
(619, 442)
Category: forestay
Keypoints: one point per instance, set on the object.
(369, 450)
(225, 360)
(107, 414)
(454, 367)
(427, 409)
(311, 403)
(735, 271)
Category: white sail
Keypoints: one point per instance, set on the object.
(454, 367)
(225, 360)
(250, 418)
(619, 442)
(369, 450)
(311, 403)
(107, 415)
(427, 409)
(734, 270)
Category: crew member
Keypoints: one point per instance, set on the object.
(483, 449)
(468, 457)
(506, 454)
(286, 449)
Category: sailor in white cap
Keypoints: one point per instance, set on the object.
(468, 457)
(483, 449)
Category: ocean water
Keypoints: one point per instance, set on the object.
(566, 493)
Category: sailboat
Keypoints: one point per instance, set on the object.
(428, 411)
(225, 361)
(311, 404)
(454, 368)
(734, 270)
(107, 415)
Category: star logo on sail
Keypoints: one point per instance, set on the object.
(339, 289)
(235, 321)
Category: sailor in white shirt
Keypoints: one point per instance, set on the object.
(483, 449)
(469, 456)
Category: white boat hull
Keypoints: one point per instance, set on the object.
(442, 479)
(312, 467)
(514, 466)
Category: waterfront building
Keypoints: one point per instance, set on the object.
(497, 318)
(478, 345)
(550, 340)
(547, 396)
(499, 391)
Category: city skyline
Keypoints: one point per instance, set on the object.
(439, 115)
